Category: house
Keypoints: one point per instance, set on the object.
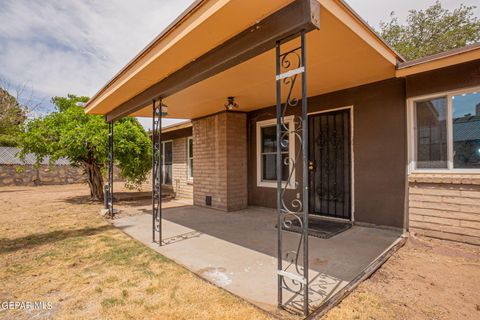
(390, 144)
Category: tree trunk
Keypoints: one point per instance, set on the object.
(95, 180)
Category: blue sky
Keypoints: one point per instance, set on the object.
(58, 47)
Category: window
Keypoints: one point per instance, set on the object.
(267, 152)
(466, 130)
(431, 141)
(447, 132)
(190, 157)
(167, 162)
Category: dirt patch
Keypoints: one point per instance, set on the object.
(426, 279)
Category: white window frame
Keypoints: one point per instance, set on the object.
(163, 160)
(189, 157)
(412, 132)
(291, 153)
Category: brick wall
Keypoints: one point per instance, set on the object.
(445, 206)
(220, 161)
(182, 187)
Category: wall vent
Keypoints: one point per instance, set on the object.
(208, 200)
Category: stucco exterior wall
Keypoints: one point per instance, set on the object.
(379, 150)
(452, 78)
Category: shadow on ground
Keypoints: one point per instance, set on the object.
(149, 210)
(16, 190)
(38, 239)
(132, 198)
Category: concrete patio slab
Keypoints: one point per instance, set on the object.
(237, 250)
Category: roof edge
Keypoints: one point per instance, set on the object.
(174, 24)
(195, 6)
(371, 30)
(177, 126)
(438, 56)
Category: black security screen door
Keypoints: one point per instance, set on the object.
(330, 164)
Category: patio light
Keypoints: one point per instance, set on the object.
(164, 110)
(231, 104)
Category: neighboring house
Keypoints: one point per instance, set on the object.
(25, 172)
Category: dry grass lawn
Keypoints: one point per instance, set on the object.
(54, 247)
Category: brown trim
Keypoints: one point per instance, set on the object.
(470, 53)
(445, 178)
(177, 126)
(261, 37)
(219, 112)
(439, 56)
(177, 134)
(175, 23)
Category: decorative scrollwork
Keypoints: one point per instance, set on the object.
(293, 273)
(157, 172)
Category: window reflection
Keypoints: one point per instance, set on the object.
(269, 153)
(431, 118)
(466, 130)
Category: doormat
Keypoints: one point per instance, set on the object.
(323, 229)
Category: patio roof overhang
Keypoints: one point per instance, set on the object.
(440, 60)
(210, 54)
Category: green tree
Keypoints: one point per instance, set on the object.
(82, 139)
(12, 117)
(432, 30)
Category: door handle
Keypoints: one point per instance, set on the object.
(311, 165)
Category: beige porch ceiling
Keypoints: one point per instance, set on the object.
(344, 53)
(336, 59)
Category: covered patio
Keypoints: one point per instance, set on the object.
(237, 251)
(276, 69)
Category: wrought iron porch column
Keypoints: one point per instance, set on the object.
(292, 269)
(157, 175)
(109, 193)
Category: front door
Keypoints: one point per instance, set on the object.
(330, 164)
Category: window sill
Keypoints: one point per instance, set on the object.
(273, 184)
(445, 177)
